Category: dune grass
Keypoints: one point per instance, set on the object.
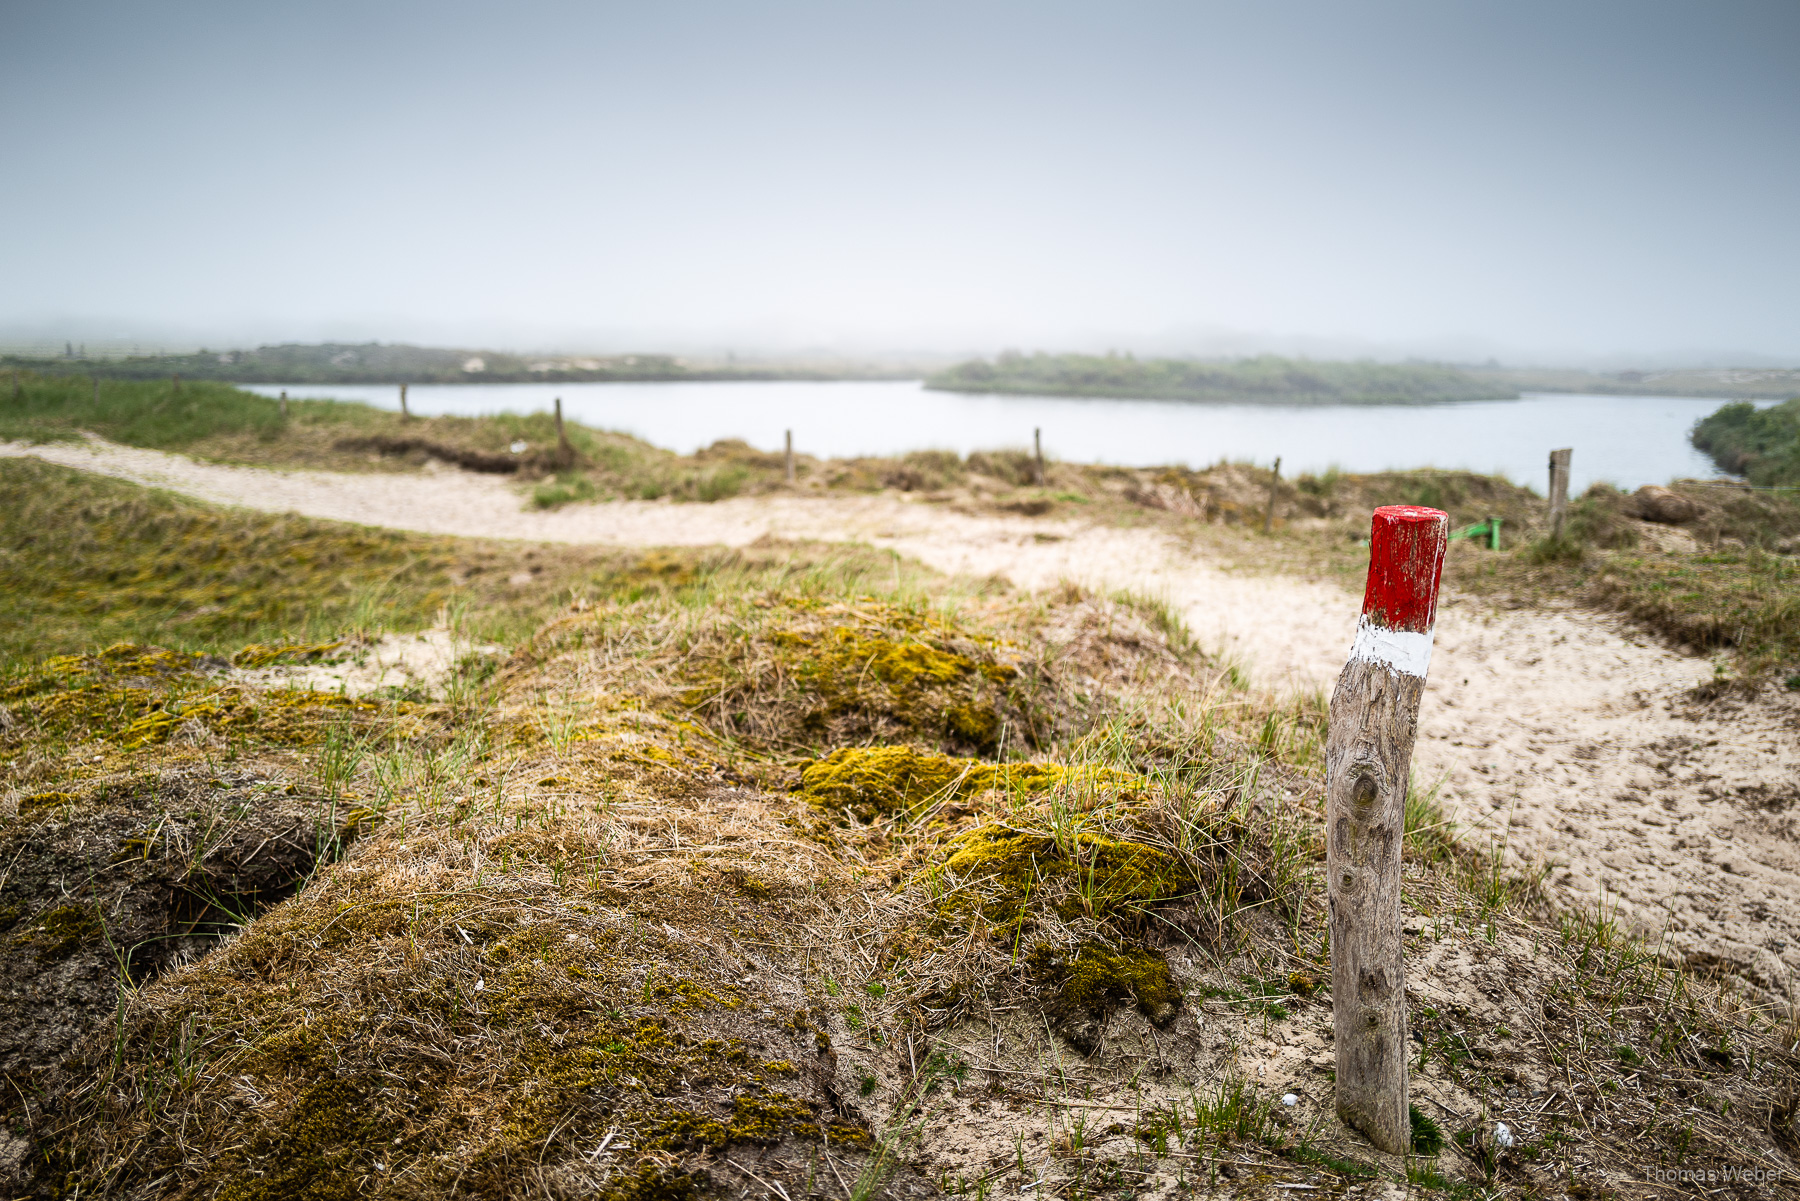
(154, 413)
(637, 914)
(87, 561)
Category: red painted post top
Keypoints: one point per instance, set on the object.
(1406, 559)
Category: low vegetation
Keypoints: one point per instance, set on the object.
(792, 869)
(1266, 378)
(395, 363)
(1734, 383)
(86, 561)
(1762, 445)
(1709, 566)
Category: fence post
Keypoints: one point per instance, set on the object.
(284, 404)
(788, 457)
(404, 414)
(565, 453)
(1269, 517)
(1559, 490)
(1368, 753)
(175, 383)
(1037, 444)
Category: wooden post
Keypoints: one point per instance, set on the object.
(284, 404)
(565, 453)
(1269, 517)
(404, 415)
(1559, 490)
(788, 457)
(1368, 754)
(1037, 444)
(175, 383)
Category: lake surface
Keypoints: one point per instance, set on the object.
(1626, 440)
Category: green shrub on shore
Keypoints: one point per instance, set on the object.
(1763, 445)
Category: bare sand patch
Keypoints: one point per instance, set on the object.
(1570, 739)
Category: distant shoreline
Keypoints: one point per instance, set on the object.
(1266, 379)
(1272, 380)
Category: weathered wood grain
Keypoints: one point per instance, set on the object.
(1368, 751)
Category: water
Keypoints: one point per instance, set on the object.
(1625, 440)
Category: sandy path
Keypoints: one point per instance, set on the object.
(1562, 733)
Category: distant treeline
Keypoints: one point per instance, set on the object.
(1763, 445)
(375, 363)
(1736, 383)
(1267, 378)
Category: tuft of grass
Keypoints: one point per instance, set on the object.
(1427, 1136)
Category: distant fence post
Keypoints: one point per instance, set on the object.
(175, 383)
(565, 453)
(1269, 516)
(1037, 445)
(1368, 754)
(404, 414)
(284, 404)
(1559, 490)
(788, 457)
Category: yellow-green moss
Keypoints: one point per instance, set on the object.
(138, 696)
(682, 996)
(258, 655)
(652, 1182)
(327, 1142)
(60, 932)
(794, 670)
(1100, 975)
(972, 723)
(1088, 876)
(895, 780)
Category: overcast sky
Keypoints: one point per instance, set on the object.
(1539, 181)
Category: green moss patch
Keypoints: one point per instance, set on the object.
(328, 1139)
(138, 696)
(60, 932)
(890, 781)
(865, 671)
(1100, 975)
(1087, 875)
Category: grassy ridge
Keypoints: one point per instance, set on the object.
(1267, 378)
(87, 561)
(155, 413)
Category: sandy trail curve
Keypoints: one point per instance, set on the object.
(1563, 733)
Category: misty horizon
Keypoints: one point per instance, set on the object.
(1602, 187)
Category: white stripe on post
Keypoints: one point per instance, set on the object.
(1368, 754)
